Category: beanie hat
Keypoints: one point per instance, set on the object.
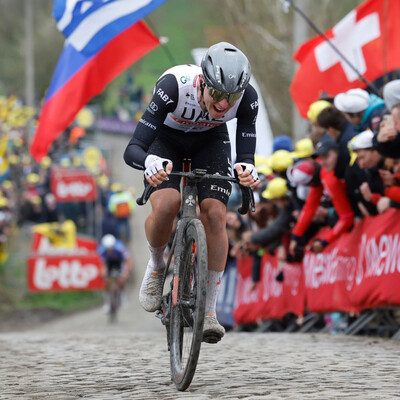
(362, 141)
(301, 173)
(316, 108)
(391, 93)
(282, 142)
(303, 148)
(352, 101)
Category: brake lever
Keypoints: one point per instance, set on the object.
(247, 200)
(148, 190)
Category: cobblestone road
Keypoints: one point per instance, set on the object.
(242, 366)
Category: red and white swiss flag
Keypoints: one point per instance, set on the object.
(369, 37)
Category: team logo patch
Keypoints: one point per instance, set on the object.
(190, 201)
(153, 106)
(185, 79)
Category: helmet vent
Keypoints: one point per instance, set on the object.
(240, 79)
(221, 76)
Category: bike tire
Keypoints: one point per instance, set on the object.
(187, 322)
(115, 300)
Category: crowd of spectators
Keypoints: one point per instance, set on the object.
(347, 167)
(26, 196)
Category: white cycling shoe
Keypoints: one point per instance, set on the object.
(151, 290)
(213, 331)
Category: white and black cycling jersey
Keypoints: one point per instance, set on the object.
(188, 115)
(175, 107)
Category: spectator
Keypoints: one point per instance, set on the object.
(369, 159)
(235, 226)
(278, 193)
(362, 109)
(328, 151)
(282, 142)
(304, 175)
(121, 205)
(109, 224)
(50, 213)
(387, 139)
(393, 182)
(312, 114)
(36, 209)
(280, 161)
(300, 176)
(276, 234)
(341, 131)
(303, 148)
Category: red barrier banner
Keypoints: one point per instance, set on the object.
(360, 270)
(73, 185)
(48, 273)
(328, 276)
(269, 299)
(246, 308)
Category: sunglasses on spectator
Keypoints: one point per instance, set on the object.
(218, 96)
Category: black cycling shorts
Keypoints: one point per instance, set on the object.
(114, 267)
(210, 150)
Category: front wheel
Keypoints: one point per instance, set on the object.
(115, 299)
(188, 304)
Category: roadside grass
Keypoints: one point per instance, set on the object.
(62, 301)
(14, 294)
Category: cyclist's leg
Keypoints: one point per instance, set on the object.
(106, 305)
(213, 214)
(165, 204)
(165, 201)
(213, 197)
(213, 217)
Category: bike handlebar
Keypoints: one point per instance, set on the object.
(198, 175)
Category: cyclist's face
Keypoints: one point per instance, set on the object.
(216, 109)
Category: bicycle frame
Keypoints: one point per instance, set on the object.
(188, 212)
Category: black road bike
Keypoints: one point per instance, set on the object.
(182, 309)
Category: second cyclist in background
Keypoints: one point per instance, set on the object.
(115, 262)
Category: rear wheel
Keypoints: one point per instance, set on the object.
(189, 297)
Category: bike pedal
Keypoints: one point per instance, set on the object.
(211, 338)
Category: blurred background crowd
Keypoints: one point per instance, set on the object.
(26, 196)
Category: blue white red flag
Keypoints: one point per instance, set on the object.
(103, 37)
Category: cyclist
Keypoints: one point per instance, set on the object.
(186, 118)
(115, 257)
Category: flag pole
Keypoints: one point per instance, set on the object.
(163, 42)
(289, 3)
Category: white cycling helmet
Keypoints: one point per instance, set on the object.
(108, 241)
